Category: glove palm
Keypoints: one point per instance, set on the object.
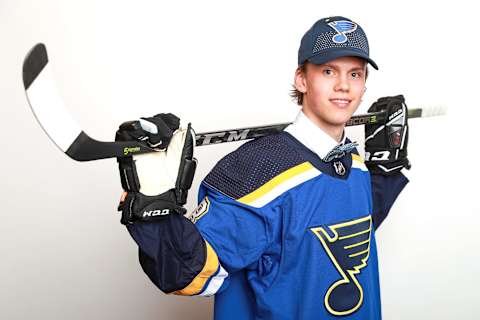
(156, 184)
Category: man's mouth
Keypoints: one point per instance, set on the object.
(342, 103)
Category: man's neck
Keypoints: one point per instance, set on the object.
(334, 131)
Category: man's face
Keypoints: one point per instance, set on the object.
(332, 91)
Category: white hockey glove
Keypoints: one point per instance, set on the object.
(156, 184)
(386, 142)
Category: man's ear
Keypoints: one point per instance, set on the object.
(299, 81)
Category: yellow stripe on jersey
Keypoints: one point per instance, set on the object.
(270, 185)
(356, 157)
(358, 162)
(209, 269)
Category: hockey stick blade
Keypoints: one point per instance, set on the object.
(51, 114)
(53, 117)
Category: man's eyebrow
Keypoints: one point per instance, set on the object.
(333, 66)
(330, 65)
(358, 68)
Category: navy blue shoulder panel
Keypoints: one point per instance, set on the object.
(253, 164)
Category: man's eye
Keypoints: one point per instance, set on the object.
(356, 75)
(327, 72)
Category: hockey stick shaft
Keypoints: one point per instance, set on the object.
(85, 148)
(53, 117)
(215, 137)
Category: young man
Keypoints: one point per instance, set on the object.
(285, 225)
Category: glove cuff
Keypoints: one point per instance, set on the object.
(137, 207)
(388, 168)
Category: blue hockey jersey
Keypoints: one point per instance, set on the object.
(287, 235)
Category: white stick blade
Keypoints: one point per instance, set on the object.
(45, 101)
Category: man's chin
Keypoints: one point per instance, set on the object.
(340, 120)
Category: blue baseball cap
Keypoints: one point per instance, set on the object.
(332, 38)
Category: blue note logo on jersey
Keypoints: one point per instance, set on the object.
(348, 246)
(342, 27)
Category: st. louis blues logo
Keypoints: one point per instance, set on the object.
(348, 246)
(342, 27)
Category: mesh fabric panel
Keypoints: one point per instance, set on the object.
(252, 165)
(356, 39)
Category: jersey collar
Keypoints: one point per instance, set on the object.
(310, 135)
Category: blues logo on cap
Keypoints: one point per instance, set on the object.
(332, 38)
(342, 27)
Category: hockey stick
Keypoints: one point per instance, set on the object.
(53, 117)
(213, 137)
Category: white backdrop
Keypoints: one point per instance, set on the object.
(224, 64)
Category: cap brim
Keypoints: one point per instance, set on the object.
(325, 57)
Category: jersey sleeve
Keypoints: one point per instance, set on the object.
(195, 255)
(175, 256)
(385, 190)
(237, 232)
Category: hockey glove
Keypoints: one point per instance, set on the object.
(156, 184)
(386, 142)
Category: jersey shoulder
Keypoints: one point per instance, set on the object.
(257, 167)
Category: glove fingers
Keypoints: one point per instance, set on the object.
(160, 129)
(130, 130)
(384, 102)
(171, 120)
(157, 131)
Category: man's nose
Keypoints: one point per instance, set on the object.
(342, 83)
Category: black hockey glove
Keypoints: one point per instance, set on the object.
(386, 142)
(156, 184)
